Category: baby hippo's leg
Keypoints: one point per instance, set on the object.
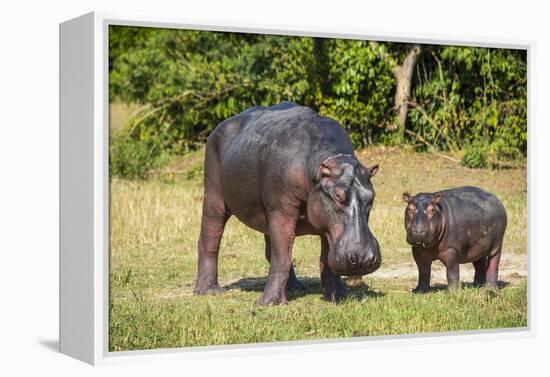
(451, 261)
(492, 267)
(423, 261)
(480, 267)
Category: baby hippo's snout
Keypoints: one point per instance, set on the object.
(419, 232)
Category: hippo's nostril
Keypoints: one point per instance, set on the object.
(352, 259)
(419, 232)
(371, 260)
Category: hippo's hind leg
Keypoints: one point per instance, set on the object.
(492, 267)
(480, 276)
(208, 250)
(214, 217)
(452, 262)
(332, 284)
(293, 282)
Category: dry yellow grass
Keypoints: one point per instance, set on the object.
(120, 113)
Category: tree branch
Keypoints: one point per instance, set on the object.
(431, 148)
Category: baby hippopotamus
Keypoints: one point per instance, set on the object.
(459, 225)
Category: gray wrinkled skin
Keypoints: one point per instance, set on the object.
(461, 225)
(285, 171)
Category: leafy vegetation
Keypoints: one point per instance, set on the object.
(186, 82)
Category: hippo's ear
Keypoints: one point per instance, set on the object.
(324, 172)
(436, 198)
(407, 197)
(325, 178)
(326, 169)
(373, 170)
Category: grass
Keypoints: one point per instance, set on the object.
(120, 113)
(154, 229)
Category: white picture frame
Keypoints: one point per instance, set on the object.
(84, 192)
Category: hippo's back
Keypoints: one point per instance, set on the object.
(266, 152)
(286, 127)
(473, 200)
(472, 215)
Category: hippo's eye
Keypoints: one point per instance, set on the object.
(431, 210)
(411, 210)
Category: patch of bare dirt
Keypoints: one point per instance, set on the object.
(513, 267)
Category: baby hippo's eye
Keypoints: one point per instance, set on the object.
(431, 210)
(411, 209)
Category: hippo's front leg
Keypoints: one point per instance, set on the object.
(451, 261)
(423, 261)
(281, 235)
(332, 284)
(293, 282)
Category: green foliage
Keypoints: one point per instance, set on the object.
(500, 154)
(130, 158)
(496, 155)
(466, 95)
(188, 81)
(360, 91)
(474, 156)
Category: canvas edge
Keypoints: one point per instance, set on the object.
(103, 356)
(76, 190)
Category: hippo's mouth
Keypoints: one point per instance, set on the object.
(369, 269)
(418, 242)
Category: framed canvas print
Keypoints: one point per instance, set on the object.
(224, 187)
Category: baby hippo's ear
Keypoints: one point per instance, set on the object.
(436, 198)
(373, 170)
(407, 197)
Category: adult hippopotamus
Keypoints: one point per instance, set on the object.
(286, 171)
(459, 225)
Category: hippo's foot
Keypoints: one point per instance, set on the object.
(293, 284)
(421, 289)
(274, 292)
(335, 290)
(204, 287)
(454, 287)
(479, 284)
(272, 298)
(336, 295)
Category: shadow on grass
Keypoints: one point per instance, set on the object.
(443, 287)
(312, 286)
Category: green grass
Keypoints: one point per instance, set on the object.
(154, 230)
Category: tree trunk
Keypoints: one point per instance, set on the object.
(403, 75)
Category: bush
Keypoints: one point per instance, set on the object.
(129, 158)
(469, 101)
(474, 156)
(500, 155)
